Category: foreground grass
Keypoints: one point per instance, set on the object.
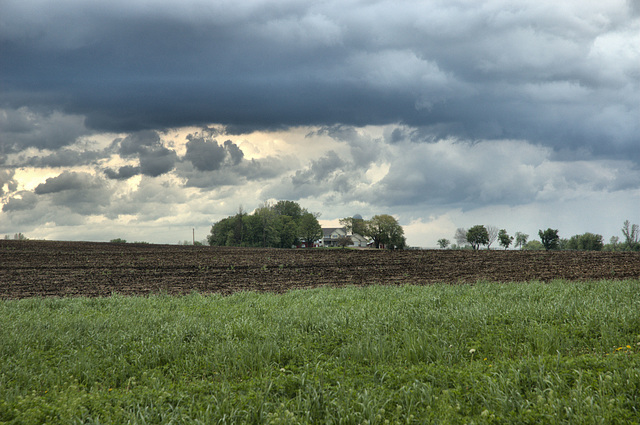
(490, 353)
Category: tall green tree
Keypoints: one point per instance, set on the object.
(521, 240)
(631, 233)
(353, 225)
(289, 208)
(288, 232)
(505, 239)
(385, 230)
(477, 235)
(585, 242)
(549, 238)
(309, 229)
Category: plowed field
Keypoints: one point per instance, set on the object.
(47, 268)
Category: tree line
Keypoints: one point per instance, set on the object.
(280, 225)
(286, 224)
(480, 235)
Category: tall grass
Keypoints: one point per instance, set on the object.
(561, 352)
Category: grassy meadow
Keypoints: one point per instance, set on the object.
(559, 352)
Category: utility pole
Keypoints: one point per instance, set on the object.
(194, 236)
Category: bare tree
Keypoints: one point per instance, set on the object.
(461, 236)
(493, 232)
(631, 233)
(344, 241)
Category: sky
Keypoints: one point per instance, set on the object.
(149, 120)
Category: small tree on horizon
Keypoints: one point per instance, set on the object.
(344, 241)
(631, 233)
(549, 238)
(461, 236)
(477, 235)
(443, 243)
(505, 239)
(309, 229)
(521, 240)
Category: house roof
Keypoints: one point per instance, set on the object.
(327, 231)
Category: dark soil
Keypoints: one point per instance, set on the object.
(46, 268)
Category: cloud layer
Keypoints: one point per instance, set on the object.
(563, 74)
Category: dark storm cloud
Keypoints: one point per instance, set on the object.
(68, 180)
(560, 73)
(208, 164)
(155, 159)
(235, 153)
(207, 155)
(39, 128)
(123, 173)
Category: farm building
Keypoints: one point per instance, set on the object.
(332, 234)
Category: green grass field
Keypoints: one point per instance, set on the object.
(530, 353)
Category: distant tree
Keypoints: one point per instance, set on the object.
(222, 232)
(270, 225)
(17, 237)
(267, 222)
(563, 243)
(288, 232)
(238, 230)
(631, 233)
(585, 242)
(521, 240)
(461, 236)
(492, 233)
(443, 243)
(533, 246)
(549, 238)
(353, 225)
(118, 240)
(505, 239)
(477, 235)
(289, 208)
(613, 245)
(344, 241)
(309, 229)
(385, 229)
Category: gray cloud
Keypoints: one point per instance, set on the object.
(37, 127)
(62, 158)
(155, 158)
(7, 179)
(123, 173)
(157, 161)
(65, 181)
(23, 200)
(561, 74)
(205, 155)
(472, 175)
(319, 170)
(235, 153)
(80, 192)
